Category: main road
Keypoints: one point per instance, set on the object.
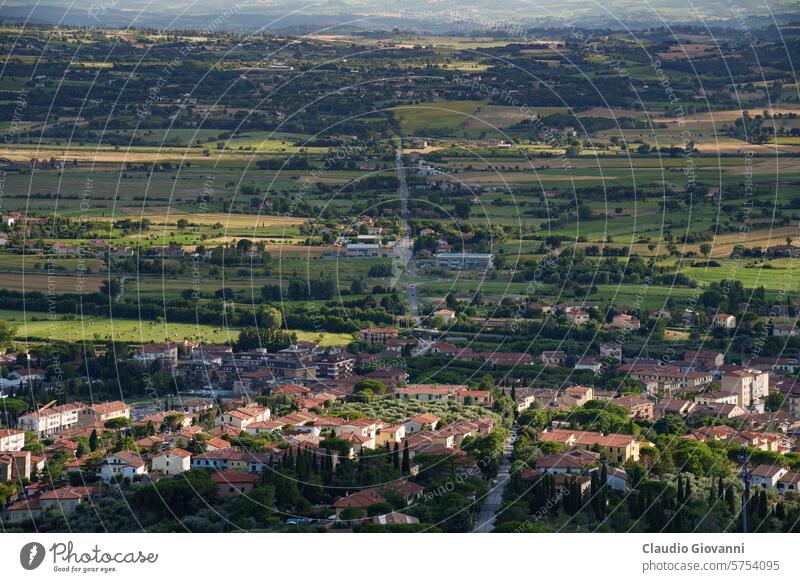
(405, 249)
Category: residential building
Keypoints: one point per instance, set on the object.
(525, 399)
(718, 398)
(511, 359)
(252, 383)
(786, 366)
(554, 358)
(124, 464)
(638, 407)
(725, 320)
(11, 440)
(240, 418)
(28, 375)
(591, 364)
(199, 405)
(582, 394)
(703, 360)
(617, 448)
(464, 261)
(378, 335)
(444, 349)
(362, 250)
(335, 366)
(577, 317)
(428, 392)
(359, 500)
(394, 518)
(475, 397)
(295, 362)
(15, 466)
(424, 421)
(570, 461)
(264, 427)
(748, 384)
(785, 329)
(794, 404)
(447, 315)
(617, 479)
(65, 500)
(99, 414)
(625, 322)
(390, 433)
(611, 351)
(789, 481)
(767, 476)
(166, 354)
(172, 462)
(234, 483)
(666, 379)
(48, 421)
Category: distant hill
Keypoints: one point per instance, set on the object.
(429, 16)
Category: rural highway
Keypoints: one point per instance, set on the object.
(405, 249)
(494, 499)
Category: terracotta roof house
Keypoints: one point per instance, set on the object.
(359, 500)
(234, 483)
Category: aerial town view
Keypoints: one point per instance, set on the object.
(460, 267)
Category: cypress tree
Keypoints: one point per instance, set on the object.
(730, 498)
(595, 493)
(549, 492)
(603, 490)
(93, 440)
(720, 488)
(406, 468)
(680, 489)
(763, 504)
(633, 505)
(536, 497)
(687, 490)
(575, 496)
(396, 456)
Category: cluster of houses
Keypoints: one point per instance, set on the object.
(493, 359)
(210, 429)
(245, 371)
(576, 463)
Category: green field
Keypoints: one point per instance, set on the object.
(773, 276)
(36, 326)
(444, 115)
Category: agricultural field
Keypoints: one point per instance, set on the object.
(436, 116)
(38, 327)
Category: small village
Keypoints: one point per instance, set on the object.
(257, 415)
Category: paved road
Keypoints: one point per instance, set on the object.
(405, 250)
(494, 499)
